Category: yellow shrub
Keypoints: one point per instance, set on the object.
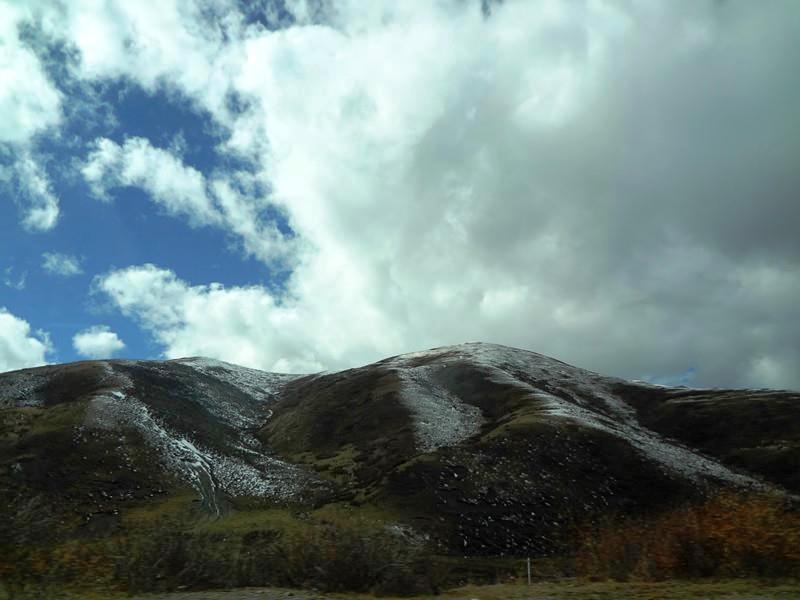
(728, 535)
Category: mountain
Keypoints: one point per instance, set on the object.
(478, 449)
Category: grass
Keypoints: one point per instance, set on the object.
(288, 520)
(180, 503)
(556, 590)
(666, 590)
(21, 423)
(242, 522)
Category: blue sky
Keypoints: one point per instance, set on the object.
(108, 235)
(307, 185)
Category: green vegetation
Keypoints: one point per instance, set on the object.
(170, 545)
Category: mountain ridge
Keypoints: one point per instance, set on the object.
(488, 450)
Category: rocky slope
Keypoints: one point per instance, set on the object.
(480, 449)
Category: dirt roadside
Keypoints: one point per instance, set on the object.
(674, 590)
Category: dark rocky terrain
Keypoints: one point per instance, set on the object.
(475, 450)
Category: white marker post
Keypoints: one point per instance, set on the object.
(529, 571)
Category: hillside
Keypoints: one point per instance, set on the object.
(475, 450)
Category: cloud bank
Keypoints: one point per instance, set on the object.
(31, 105)
(29, 102)
(612, 183)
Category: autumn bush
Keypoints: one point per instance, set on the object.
(53, 566)
(168, 557)
(172, 553)
(357, 556)
(35, 551)
(729, 535)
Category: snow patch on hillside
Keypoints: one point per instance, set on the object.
(559, 390)
(440, 418)
(584, 387)
(668, 454)
(240, 411)
(257, 384)
(116, 410)
(245, 471)
(21, 389)
(671, 456)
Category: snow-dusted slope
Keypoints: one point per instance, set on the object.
(440, 418)
(477, 425)
(261, 385)
(23, 388)
(197, 415)
(236, 465)
(554, 388)
(512, 364)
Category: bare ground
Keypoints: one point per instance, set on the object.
(569, 590)
(724, 590)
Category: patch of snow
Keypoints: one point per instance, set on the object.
(115, 409)
(270, 477)
(245, 470)
(649, 384)
(668, 454)
(440, 418)
(585, 387)
(238, 411)
(261, 385)
(21, 389)
(583, 396)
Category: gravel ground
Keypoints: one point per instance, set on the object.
(562, 590)
(730, 590)
(240, 594)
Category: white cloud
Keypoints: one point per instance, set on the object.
(97, 342)
(179, 189)
(19, 346)
(15, 283)
(64, 265)
(33, 193)
(29, 102)
(176, 46)
(30, 105)
(597, 181)
(183, 191)
(241, 217)
(244, 325)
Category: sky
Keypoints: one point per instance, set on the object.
(306, 185)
